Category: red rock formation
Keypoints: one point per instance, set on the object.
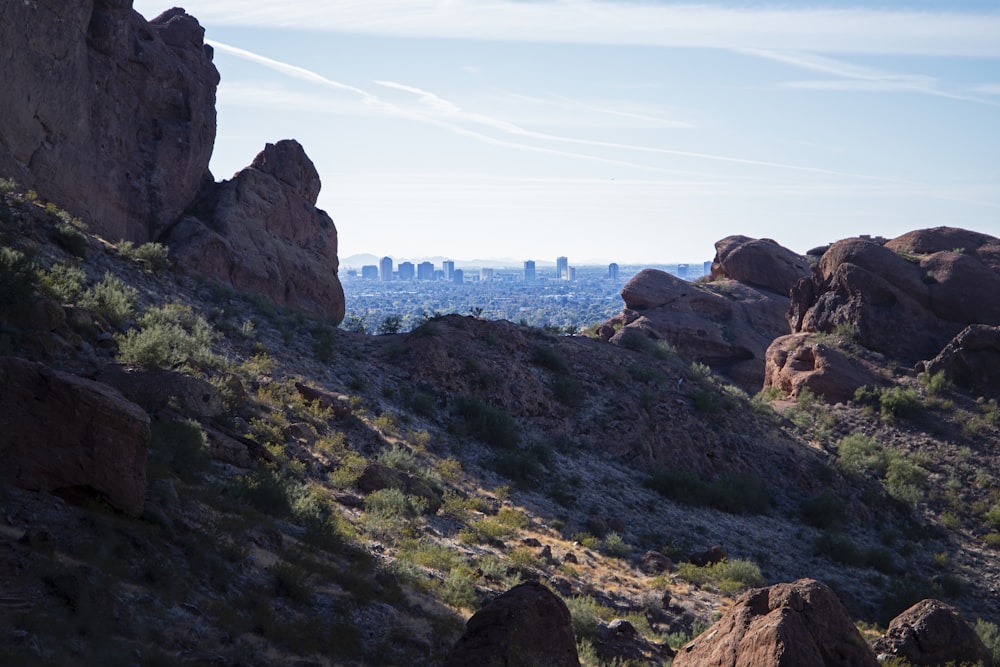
(971, 359)
(932, 633)
(106, 114)
(261, 232)
(786, 625)
(65, 434)
(801, 361)
(526, 626)
(726, 325)
(905, 298)
(758, 262)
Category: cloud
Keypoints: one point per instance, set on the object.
(987, 88)
(827, 30)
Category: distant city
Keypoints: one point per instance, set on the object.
(384, 296)
(388, 271)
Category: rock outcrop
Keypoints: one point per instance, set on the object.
(971, 359)
(803, 361)
(528, 626)
(108, 115)
(787, 625)
(905, 298)
(261, 232)
(75, 437)
(112, 117)
(932, 632)
(760, 263)
(725, 324)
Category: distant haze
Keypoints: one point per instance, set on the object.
(626, 131)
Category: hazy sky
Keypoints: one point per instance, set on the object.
(617, 130)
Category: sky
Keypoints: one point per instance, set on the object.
(634, 131)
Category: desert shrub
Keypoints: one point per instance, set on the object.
(154, 257)
(391, 324)
(546, 357)
(266, 491)
(458, 589)
(111, 298)
(585, 616)
(388, 513)
(488, 530)
(490, 424)
(169, 336)
(735, 494)
(899, 402)
(587, 540)
(400, 458)
(323, 339)
(70, 239)
(355, 323)
(859, 454)
(18, 277)
(65, 282)
(7, 186)
(568, 391)
(349, 470)
(825, 510)
(615, 546)
(992, 516)
(522, 464)
(989, 633)
(936, 384)
(185, 446)
(904, 480)
(289, 582)
(842, 549)
(729, 576)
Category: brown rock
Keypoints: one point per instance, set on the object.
(619, 642)
(528, 626)
(714, 554)
(905, 298)
(801, 361)
(261, 232)
(339, 404)
(377, 476)
(726, 325)
(758, 262)
(971, 360)
(65, 434)
(802, 623)
(106, 114)
(155, 390)
(656, 562)
(932, 632)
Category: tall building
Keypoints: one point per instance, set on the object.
(529, 271)
(682, 271)
(448, 267)
(485, 275)
(425, 271)
(385, 269)
(707, 268)
(562, 268)
(369, 272)
(458, 277)
(405, 271)
(613, 272)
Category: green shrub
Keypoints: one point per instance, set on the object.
(265, 491)
(458, 589)
(323, 339)
(70, 239)
(400, 458)
(904, 480)
(899, 402)
(170, 337)
(18, 277)
(185, 446)
(841, 549)
(615, 546)
(936, 384)
(859, 454)
(735, 494)
(729, 576)
(584, 615)
(490, 424)
(65, 282)
(391, 324)
(548, 358)
(992, 516)
(112, 299)
(824, 511)
(989, 633)
(154, 257)
(388, 513)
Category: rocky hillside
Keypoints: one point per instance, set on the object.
(223, 476)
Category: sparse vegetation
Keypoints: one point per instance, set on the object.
(736, 494)
(112, 299)
(169, 337)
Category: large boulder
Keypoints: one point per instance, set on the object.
(805, 361)
(786, 625)
(65, 434)
(906, 297)
(761, 263)
(261, 232)
(528, 626)
(932, 632)
(971, 359)
(724, 324)
(107, 114)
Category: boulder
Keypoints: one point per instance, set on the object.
(156, 390)
(760, 263)
(787, 625)
(618, 642)
(714, 554)
(338, 404)
(377, 476)
(261, 232)
(528, 626)
(803, 361)
(72, 436)
(106, 114)
(725, 324)
(971, 359)
(932, 632)
(906, 297)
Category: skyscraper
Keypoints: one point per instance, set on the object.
(385, 269)
(458, 276)
(449, 269)
(562, 268)
(369, 272)
(529, 271)
(613, 272)
(425, 271)
(405, 270)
